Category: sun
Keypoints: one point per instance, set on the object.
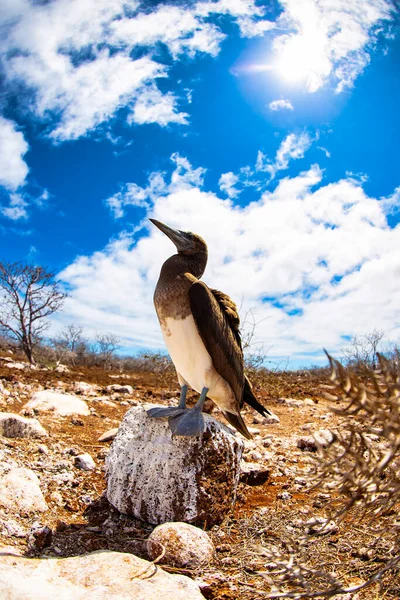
(303, 58)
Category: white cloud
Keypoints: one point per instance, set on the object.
(13, 168)
(227, 183)
(154, 107)
(184, 177)
(16, 209)
(76, 58)
(280, 105)
(292, 147)
(313, 265)
(327, 39)
(249, 16)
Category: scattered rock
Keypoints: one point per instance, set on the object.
(310, 443)
(16, 365)
(158, 478)
(181, 545)
(117, 388)
(15, 426)
(40, 536)
(98, 575)
(81, 387)
(60, 404)
(85, 462)
(294, 402)
(62, 369)
(20, 491)
(321, 526)
(108, 436)
(11, 528)
(253, 473)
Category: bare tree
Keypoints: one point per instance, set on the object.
(107, 344)
(28, 294)
(361, 354)
(71, 345)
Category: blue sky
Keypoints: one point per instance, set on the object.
(271, 129)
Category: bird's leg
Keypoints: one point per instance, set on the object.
(170, 411)
(189, 422)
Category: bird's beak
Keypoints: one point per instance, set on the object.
(182, 240)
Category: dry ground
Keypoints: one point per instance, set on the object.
(267, 515)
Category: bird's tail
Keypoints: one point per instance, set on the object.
(237, 422)
(249, 398)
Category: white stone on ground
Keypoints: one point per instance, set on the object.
(20, 491)
(108, 436)
(120, 389)
(81, 387)
(60, 404)
(16, 426)
(159, 478)
(16, 365)
(322, 437)
(98, 575)
(182, 545)
(85, 462)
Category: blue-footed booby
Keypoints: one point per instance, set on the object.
(200, 327)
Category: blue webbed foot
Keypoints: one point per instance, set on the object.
(170, 411)
(189, 423)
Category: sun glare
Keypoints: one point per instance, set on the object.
(303, 58)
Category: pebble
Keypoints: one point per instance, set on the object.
(182, 545)
(85, 462)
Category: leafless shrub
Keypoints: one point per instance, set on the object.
(360, 470)
(107, 344)
(71, 346)
(362, 351)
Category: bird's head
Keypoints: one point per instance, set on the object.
(186, 242)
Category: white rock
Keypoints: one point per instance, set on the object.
(158, 478)
(81, 387)
(270, 420)
(85, 462)
(16, 365)
(108, 436)
(96, 576)
(322, 437)
(20, 491)
(62, 369)
(11, 528)
(182, 545)
(60, 404)
(16, 426)
(120, 389)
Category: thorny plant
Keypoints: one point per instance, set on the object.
(360, 470)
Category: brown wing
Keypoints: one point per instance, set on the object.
(230, 309)
(217, 322)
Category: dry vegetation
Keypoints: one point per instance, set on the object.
(323, 522)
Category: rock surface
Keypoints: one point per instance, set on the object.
(85, 461)
(116, 388)
(20, 491)
(181, 545)
(158, 478)
(60, 404)
(109, 435)
(95, 576)
(16, 426)
(322, 437)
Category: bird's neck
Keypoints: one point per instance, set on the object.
(178, 264)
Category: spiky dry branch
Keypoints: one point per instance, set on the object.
(360, 470)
